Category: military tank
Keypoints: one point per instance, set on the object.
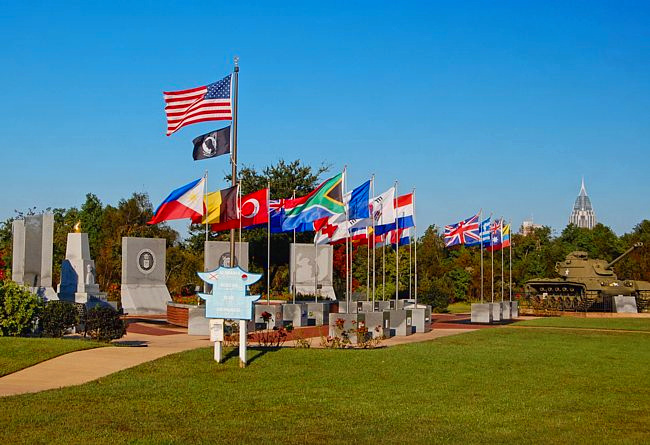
(586, 284)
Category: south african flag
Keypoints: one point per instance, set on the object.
(325, 201)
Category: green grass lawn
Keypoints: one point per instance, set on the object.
(460, 308)
(488, 386)
(19, 353)
(630, 324)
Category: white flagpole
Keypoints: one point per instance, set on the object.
(293, 272)
(492, 263)
(396, 247)
(368, 266)
(502, 268)
(268, 243)
(240, 221)
(510, 254)
(372, 185)
(383, 269)
(205, 203)
(480, 221)
(410, 264)
(415, 234)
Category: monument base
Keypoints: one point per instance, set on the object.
(144, 299)
(505, 310)
(495, 310)
(401, 322)
(625, 305)
(422, 319)
(296, 314)
(514, 309)
(197, 324)
(481, 313)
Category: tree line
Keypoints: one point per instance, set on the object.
(444, 275)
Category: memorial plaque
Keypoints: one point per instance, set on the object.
(313, 271)
(481, 313)
(143, 276)
(32, 254)
(217, 254)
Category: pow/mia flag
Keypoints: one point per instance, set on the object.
(212, 144)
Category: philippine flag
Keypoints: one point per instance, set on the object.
(184, 202)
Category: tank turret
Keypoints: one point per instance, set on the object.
(586, 283)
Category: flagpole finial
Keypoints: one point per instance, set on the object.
(236, 59)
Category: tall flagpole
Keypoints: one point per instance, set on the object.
(480, 221)
(348, 280)
(205, 203)
(293, 256)
(268, 243)
(240, 222)
(410, 264)
(233, 154)
(233, 160)
(383, 269)
(415, 267)
(502, 268)
(510, 254)
(396, 247)
(492, 264)
(368, 266)
(372, 185)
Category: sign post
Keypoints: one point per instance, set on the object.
(229, 300)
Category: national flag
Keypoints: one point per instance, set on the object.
(505, 236)
(484, 234)
(277, 219)
(495, 236)
(184, 202)
(404, 208)
(324, 202)
(383, 211)
(253, 210)
(359, 202)
(462, 231)
(404, 236)
(221, 206)
(212, 144)
(201, 104)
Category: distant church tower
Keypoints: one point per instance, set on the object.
(583, 214)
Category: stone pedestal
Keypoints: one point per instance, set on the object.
(514, 309)
(365, 306)
(384, 305)
(421, 318)
(505, 310)
(78, 272)
(401, 321)
(378, 323)
(481, 313)
(625, 304)
(349, 322)
(32, 254)
(275, 321)
(296, 314)
(318, 314)
(311, 270)
(343, 307)
(495, 310)
(197, 324)
(143, 276)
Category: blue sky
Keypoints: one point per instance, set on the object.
(502, 106)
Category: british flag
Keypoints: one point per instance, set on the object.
(466, 231)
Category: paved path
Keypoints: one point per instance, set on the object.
(156, 340)
(83, 366)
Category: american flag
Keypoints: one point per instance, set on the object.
(466, 231)
(207, 103)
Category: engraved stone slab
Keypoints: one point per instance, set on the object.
(422, 318)
(505, 310)
(401, 321)
(311, 261)
(514, 309)
(217, 254)
(625, 304)
(495, 309)
(32, 254)
(296, 314)
(143, 276)
(481, 313)
(378, 323)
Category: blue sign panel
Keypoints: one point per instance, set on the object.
(228, 298)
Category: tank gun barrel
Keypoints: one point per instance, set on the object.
(621, 256)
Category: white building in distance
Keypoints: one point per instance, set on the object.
(583, 213)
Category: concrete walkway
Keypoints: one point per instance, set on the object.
(146, 342)
(80, 367)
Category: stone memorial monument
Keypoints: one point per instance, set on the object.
(311, 261)
(143, 276)
(32, 254)
(78, 272)
(217, 254)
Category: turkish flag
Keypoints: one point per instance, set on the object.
(253, 210)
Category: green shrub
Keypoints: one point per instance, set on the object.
(19, 309)
(103, 323)
(58, 317)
